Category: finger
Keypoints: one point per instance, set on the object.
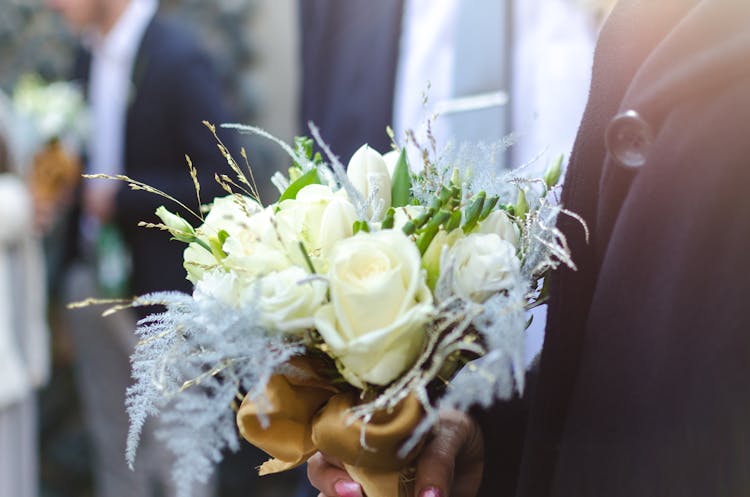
(325, 474)
(333, 461)
(451, 463)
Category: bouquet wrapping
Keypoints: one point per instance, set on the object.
(345, 315)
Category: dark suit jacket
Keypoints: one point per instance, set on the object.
(349, 58)
(644, 381)
(175, 88)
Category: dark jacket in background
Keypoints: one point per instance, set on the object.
(349, 58)
(175, 88)
(644, 381)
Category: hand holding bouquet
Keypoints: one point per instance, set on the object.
(344, 316)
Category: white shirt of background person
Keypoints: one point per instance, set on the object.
(110, 89)
(544, 74)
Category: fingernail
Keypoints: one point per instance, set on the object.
(346, 488)
(431, 492)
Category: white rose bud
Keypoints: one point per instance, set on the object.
(369, 174)
(288, 302)
(380, 304)
(179, 228)
(483, 264)
(318, 218)
(500, 224)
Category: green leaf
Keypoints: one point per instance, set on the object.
(401, 182)
(473, 210)
(360, 226)
(425, 238)
(309, 178)
(522, 205)
(217, 250)
(553, 172)
(489, 204)
(454, 222)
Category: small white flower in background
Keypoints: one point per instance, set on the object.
(318, 218)
(482, 265)
(380, 304)
(289, 299)
(369, 174)
(500, 224)
(53, 110)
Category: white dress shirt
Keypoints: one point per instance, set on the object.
(426, 58)
(110, 87)
(536, 88)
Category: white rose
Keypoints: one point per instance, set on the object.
(318, 218)
(287, 301)
(256, 247)
(221, 285)
(196, 260)
(433, 255)
(369, 174)
(483, 264)
(379, 307)
(500, 224)
(229, 214)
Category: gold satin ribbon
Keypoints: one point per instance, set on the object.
(310, 415)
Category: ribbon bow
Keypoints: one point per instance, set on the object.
(307, 414)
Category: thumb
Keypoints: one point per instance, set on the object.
(451, 463)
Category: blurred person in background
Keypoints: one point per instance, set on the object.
(149, 86)
(24, 341)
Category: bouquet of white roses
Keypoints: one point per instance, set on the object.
(345, 315)
(54, 117)
(54, 110)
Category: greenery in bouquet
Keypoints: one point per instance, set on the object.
(346, 314)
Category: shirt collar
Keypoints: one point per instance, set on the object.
(123, 39)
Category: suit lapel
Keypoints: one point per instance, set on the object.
(618, 56)
(141, 62)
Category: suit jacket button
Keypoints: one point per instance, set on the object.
(629, 138)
